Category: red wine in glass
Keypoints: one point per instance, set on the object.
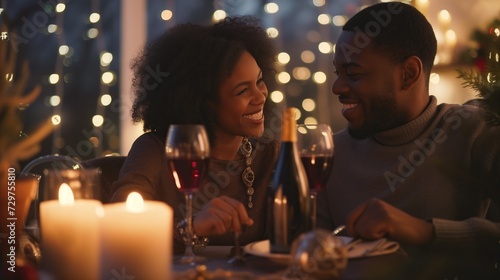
(315, 143)
(188, 150)
(318, 168)
(188, 173)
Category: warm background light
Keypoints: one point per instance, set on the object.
(319, 3)
(55, 100)
(97, 121)
(307, 56)
(106, 58)
(271, 8)
(56, 119)
(63, 50)
(277, 96)
(84, 61)
(219, 14)
(106, 99)
(60, 7)
(308, 104)
(301, 73)
(339, 20)
(283, 58)
(94, 17)
(52, 28)
(284, 77)
(166, 15)
(324, 19)
(272, 32)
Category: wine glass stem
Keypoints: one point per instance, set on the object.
(237, 244)
(189, 222)
(313, 209)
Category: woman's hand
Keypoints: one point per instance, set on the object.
(376, 219)
(221, 214)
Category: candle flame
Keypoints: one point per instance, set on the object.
(66, 195)
(135, 203)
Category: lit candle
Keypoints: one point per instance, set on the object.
(137, 239)
(70, 236)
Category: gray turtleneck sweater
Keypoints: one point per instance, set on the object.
(442, 166)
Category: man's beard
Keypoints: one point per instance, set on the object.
(383, 116)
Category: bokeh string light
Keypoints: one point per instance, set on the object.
(272, 15)
(103, 128)
(57, 78)
(303, 32)
(99, 120)
(4, 35)
(168, 15)
(324, 64)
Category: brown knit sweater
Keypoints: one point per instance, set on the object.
(146, 170)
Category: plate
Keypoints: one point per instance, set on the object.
(355, 249)
(262, 249)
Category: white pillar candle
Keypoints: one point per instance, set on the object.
(70, 236)
(137, 239)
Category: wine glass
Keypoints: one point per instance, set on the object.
(315, 145)
(187, 149)
(238, 259)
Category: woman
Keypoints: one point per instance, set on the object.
(212, 76)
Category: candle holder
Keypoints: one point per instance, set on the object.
(84, 183)
(70, 214)
(16, 194)
(40, 166)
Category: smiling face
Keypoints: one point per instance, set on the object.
(368, 86)
(239, 110)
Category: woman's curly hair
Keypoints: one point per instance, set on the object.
(177, 74)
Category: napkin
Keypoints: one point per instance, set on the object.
(357, 248)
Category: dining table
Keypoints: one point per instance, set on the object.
(396, 265)
(217, 267)
(256, 267)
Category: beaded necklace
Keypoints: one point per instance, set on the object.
(248, 175)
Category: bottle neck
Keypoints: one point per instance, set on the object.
(288, 132)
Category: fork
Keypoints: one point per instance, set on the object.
(338, 229)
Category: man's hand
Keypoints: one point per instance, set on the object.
(376, 219)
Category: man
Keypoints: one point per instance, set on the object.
(407, 168)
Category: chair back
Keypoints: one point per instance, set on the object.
(110, 167)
